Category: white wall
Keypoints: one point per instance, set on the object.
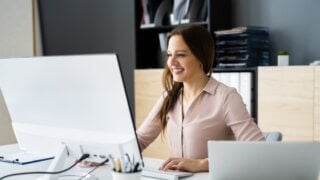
(16, 40)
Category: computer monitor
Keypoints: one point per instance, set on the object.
(76, 103)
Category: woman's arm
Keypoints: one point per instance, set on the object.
(239, 119)
(150, 128)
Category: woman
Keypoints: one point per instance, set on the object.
(195, 107)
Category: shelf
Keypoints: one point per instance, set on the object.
(166, 28)
(240, 69)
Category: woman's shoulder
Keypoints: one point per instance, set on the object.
(219, 88)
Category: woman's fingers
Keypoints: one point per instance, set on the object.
(183, 164)
(170, 163)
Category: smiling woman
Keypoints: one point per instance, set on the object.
(194, 107)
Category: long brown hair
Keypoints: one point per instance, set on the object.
(201, 44)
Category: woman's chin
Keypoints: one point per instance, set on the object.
(177, 79)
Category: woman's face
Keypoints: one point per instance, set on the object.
(184, 66)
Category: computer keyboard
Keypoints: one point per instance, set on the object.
(169, 175)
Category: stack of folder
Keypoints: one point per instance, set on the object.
(243, 47)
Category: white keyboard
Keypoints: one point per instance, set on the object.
(169, 175)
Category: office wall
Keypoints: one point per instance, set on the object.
(294, 25)
(91, 26)
(16, 28)
(16, 40)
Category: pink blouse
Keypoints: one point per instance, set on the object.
(218, 113)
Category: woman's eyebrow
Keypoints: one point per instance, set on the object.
(178, 51)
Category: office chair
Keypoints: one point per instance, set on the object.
(272, 136)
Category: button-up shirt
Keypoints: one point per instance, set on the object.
(217, 113)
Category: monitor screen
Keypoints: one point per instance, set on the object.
(76, 100)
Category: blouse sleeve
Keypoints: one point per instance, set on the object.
(150, 128)
(239, 120)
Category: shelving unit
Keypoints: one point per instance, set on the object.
(148, 53)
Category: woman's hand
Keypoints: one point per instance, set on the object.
(183, 164)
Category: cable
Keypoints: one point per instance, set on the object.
(100, 164)
(84, 156)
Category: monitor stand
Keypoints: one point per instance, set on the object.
(57, 164)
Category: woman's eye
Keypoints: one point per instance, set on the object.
(181, 55)
(169, 55)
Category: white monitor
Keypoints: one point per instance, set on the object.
(78, 101)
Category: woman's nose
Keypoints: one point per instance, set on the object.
(173, 60)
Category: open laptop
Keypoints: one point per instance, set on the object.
(263, 160)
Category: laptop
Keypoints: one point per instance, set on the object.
(229, 160)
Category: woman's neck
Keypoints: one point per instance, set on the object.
(192, 89)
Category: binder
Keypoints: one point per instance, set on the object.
(245, 89)
(231, 79)
(216, 76)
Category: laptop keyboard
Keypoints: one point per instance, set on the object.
(169, 175)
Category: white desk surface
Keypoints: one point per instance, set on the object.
(103, 172)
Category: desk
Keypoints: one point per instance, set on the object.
(103, 172)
